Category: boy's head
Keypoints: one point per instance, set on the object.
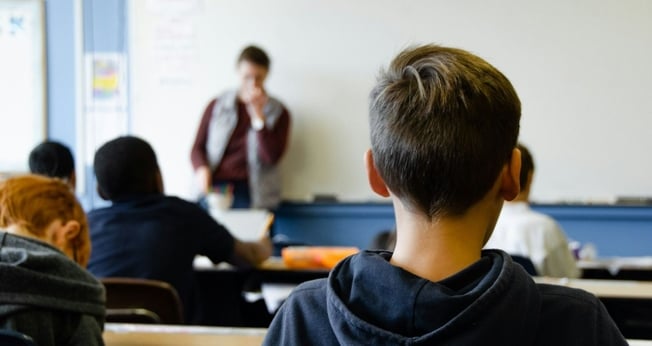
(53, 159)
(126, 166)
(46, 209)
(444, 123)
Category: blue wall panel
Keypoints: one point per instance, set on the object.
(614, 230)
(60, 33)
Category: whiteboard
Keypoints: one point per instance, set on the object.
(582, 70)
(22, 81)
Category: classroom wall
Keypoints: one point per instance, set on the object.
(22, 81)
(581, 69)
(77, 30)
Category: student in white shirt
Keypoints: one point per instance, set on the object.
(525, 232)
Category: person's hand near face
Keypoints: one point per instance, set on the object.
(252, 91)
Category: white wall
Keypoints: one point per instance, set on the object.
(581, 69)
(22, 82)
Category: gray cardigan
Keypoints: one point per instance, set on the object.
(264, 179)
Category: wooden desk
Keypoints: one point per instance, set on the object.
(618, 268)
(629, 303)
(605, 288)
(117, 334)
(221, 291)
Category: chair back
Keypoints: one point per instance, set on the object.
(526, 263)
(10, 337)
(132, 300)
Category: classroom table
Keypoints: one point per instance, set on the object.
(119, 334)
(629, 303)
(232, 296)
(605, 288)
(637, 342)
(618, 268)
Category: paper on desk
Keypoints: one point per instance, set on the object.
(244, 224)
(203, 262)
(275, 294)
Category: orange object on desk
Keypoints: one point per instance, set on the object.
(315, 257)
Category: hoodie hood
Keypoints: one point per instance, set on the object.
(405, 309)
(35, 274)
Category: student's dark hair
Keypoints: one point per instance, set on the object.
(52, 159)
(126, 166)
(527, 166)
(443, 124)
(254, 55)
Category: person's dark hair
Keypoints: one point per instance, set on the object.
(443, 124)
(52, 159)
(254, 55)
(126, 166)
(527, 166)
(385, 240)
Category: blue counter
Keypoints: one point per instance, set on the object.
(614, 230)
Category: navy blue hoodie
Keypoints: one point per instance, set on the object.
(366, 300)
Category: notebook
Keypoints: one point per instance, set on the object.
(244, 224)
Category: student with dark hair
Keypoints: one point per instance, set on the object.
(53, 159)
(444, 125)
(44, 245)
(242, 136)
(524, 232)
(146, 234)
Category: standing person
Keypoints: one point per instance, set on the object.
(146, 234)
(53, 159)
(44, 245)
(525, 232)
(443, 125)
(241, 138)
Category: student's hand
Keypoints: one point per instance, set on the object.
(204, 178)
(252, 252)
(265, 241)
(255, 252)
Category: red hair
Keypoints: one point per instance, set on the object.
(33, 202)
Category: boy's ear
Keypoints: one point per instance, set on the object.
(375, 181)
(72, 180)
(71, 229)
(66, 233)
(159, 182)
(511, 184)
(101, 193)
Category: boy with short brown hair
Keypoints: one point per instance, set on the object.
(444, 125)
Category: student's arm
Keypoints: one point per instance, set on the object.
(559, 261)
(254, 253)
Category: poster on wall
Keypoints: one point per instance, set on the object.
(22, 82)
(105, 101)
